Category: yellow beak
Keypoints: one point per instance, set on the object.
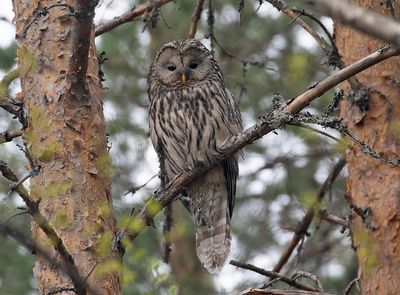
(183, 78)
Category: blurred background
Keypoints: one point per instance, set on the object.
(261, 52)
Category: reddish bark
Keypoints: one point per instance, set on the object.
(374, 186)
(66, 138)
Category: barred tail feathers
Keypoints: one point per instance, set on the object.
(212, 220)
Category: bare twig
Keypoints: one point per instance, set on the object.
(33, 208)
(313, 277)
(273, 275)
(366, 21)
(338, 140)
(210, 23)
(236, 143)
(129, 16)
(350, 286)
(323, 214)
(134, 189)
(195, 19)
(244, 62)
(308, 217)
(280, 5)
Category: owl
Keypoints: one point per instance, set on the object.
(191, 115)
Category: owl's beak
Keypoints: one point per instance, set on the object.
(183, 78)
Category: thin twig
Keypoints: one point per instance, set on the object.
(342, 142)
(243, 61)
(134, 189)
(273, 275)
(314, 18)
(313, 277)
(280, 5)
(323, 214)
(129, 16)
(350, 286)
(210, 23)
(369, 22)
(195, 19)
(308, 217)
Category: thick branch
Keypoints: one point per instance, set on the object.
(234, 144)
(195, 19)
(10, 135)
(371, 23)
(129, 16)
(308, 217)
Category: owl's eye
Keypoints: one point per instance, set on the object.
(171, 68)
(193, 65)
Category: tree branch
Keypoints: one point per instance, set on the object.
(282, 6)
(8, 136)
(371, 23)
(195, 19)
(273, 275)
(129, 16)
(323, 214)
(234, 144)
(308, 217)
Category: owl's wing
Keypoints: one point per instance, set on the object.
(230, 167)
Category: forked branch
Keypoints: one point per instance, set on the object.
(129, 16)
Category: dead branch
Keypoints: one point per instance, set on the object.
(280, 5)
(324, 215)
(371, 23)
(129, 16)
(236, 143)
(273, 275)
(308, 217)
(351, 285)
(195, 19)
(33, 208)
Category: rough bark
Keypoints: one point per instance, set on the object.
(66, 139)
(373, 186)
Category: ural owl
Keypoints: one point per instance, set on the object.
(191, 115)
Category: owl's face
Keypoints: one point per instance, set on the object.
(182, 62)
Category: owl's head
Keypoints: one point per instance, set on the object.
(184, 62)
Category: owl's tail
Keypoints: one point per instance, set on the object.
(211, 217)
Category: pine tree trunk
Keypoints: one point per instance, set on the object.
(373, 186)
(66, 138)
